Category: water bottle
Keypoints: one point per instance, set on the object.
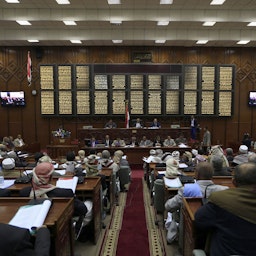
(1, 177)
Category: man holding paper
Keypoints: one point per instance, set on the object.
(42, 188)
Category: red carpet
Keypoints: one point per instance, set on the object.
(133, 237)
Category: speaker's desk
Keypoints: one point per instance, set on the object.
(90, 189)
(58, 221)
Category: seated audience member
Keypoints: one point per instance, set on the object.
(172, 166)
(18, 142)
(158, 142)
(70, 164)
(155, 124)
(230, 155)
(107, 141)
(8, 164)
(247, 141)
(242, 156)
(165, 157)
(218, 151)
(134, 142)
(110, 124)
(203, 187)
(107, 162)
(41, 180)
(219, 170)
(3, 150)
(18, 241)
(159, 154)
(118, 143)
(80, 158)
(19, 162)
(252, 158)
(198, 156)
(169, 142)
(176, 155)
(138, 123)
(181, 140)
(145, 142)
(230, 215)
(91, 165)
(37, 156)
(186, 158)
(7, 141)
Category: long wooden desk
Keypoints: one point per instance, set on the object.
(90, 189)
(189, 208)
(127, 133)
(58, 221)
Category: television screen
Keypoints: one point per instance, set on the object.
(12, 98)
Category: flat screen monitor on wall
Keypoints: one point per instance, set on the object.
(10, 98)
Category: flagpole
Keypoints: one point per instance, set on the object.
(127, 114)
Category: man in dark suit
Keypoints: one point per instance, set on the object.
(230, 215)
(18, 241)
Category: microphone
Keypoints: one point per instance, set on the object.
(35, 200)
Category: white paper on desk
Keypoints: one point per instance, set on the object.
(61, 172)
(56, 165)
(29, 216)
(148, 160)
(162, 172)
(27, 172)
(67, 182)
(7, 183)
(172, 183)
(182, 165)
(182, 145)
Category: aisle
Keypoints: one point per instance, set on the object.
(133, 236)
(132, 229)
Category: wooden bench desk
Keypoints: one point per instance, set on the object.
(58, 220)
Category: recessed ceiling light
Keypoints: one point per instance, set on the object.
(217, 2)
(62, 1)
(116, 22)
(243, 42)
(162, 23)
(23, 22)
(69, 22)
(252, 24)
(117, 41)
(33, 40)
(75, 41)
(12, 1)
(166, 1)
(160, 41)
(209, 23)
(114, 1)
(202, 42)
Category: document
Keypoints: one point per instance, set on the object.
(31, 216)
(67, 182)
(7, 183)
(172, 183)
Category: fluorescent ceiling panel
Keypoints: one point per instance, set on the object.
(209, 23)
(69, 22)
(75, 41)
(33, 40)
(117, 41)
(252, 24)
(243, 42)
(63, 1)
(202, 42)
(162, 23)
(114, 1)
(23, 22)
(217, 2)
(160, 41)
(166, 1)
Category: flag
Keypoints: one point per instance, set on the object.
(29, 69)
(127, 115)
